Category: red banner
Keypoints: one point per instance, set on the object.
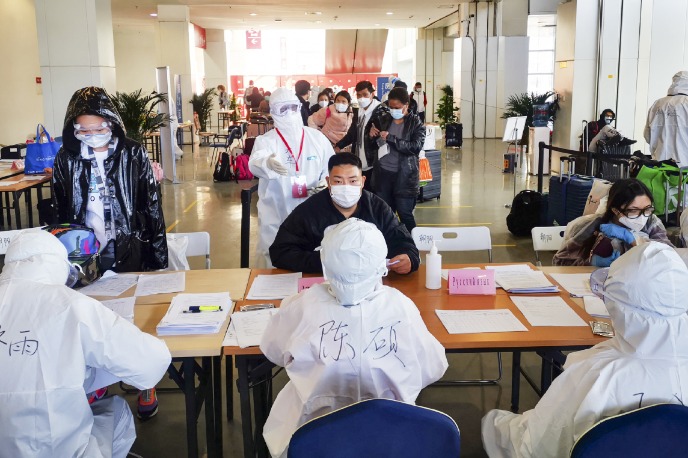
(253, 40)
(199, 36)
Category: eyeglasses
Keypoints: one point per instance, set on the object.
(633, 213)
(286, 109)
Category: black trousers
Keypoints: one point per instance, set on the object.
(421, 115)
(385, 188)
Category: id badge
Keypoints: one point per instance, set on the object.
(299, 188)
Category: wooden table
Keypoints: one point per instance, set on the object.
(148, 312)
(13, 187)
(253, 368)
(180, 134)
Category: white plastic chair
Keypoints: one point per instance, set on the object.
(199, 245)
(547, 239)
(471, 238)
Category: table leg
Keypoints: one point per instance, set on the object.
(29, 208)
(546, 374)
(8, 208)
(229, 379)
(242, 365)
(17, 196)
(217, 406)
(515, 381)
(260, 392)
(190, 399)
(207, 380)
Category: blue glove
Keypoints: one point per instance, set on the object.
(617, 232)
(599, 261)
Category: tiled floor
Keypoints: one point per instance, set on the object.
(474, 192)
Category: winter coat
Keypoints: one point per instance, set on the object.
(332, 123)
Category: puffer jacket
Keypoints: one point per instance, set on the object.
(409, 148)
(332, 123)
(140, 241)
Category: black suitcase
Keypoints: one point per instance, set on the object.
(453, 135)
(433, 188)
(17, 151)
(568, 194)
(615, 166)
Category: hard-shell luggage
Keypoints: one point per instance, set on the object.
(453, 135)
(612, 163)
(568, 193)
(433, 188)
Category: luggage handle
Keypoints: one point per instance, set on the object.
(572, 163)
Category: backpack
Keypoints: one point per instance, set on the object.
(241, 168)
(83, 250)
(223, 168)
(526, 212)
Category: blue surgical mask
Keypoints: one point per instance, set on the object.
(397, 113)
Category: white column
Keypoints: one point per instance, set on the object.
(76, 49)
(216, 62)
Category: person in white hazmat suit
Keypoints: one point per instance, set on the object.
(291, 162)
(666, 129)
(54, 342)
(347, 340)
(645, 363)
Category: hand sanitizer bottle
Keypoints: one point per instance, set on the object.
(433, 269)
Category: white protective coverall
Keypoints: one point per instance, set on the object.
(336, 355)
(666, 129)
(53, 340)
(645, 363)
(275, 198)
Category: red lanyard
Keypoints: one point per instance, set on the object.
(296, 159)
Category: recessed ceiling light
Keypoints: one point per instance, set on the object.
(377, 25)
(318, 13)
(154, 15)
(389, 13)
(318, 22)
(253, 14)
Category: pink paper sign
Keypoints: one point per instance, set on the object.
(305, 283)
(472, 281)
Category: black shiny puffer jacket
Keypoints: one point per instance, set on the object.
(409, 147)
(140, 242)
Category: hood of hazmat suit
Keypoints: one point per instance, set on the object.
(303, 151)
(645, 363)
(336, 355)
(53, 341)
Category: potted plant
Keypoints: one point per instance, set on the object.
(203, 105)
(446, 112)
(522, 105)
(139, 112)
(234, 115)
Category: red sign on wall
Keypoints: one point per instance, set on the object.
(199, 36)
(253, 40)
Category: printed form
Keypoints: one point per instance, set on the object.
(250, 326)
(110, 284)
(274, 286)
(160, 284)
(547, 311)
(123, 307)
(479, 321)
(578, 285)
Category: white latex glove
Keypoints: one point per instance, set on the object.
(276, 165)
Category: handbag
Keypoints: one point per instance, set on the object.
(40, 156)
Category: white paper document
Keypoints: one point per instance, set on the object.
(123, 307)
(595, 307)
(110, 285)
(522, 282)
(250, 326)
(230, 339)
(160, 284)
(578, 285)
(547, 311)
(179, 320)
(32, 177)
(274, 286)
(511, 268)
(479, 321)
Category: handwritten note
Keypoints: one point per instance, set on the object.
(123, 307)
(111, 285)
(306, 283)
(479, 282)
(479, 321)
(160, 284)
(250, 326)
(547, 311)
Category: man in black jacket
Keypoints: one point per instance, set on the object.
(301, 233)
(394, 138)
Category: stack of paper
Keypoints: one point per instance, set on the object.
(547, 311)
(250, 326)
(123, 307)
(274, 286)
(595, 307)
(479, 321)
(578, 285)
(524, 282)
(179, 321)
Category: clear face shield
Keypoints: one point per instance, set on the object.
(597, 279)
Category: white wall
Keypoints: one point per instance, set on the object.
(21, 105)
(136, 55)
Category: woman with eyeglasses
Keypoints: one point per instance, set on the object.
(627, 221)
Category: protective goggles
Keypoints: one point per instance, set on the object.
(103, 128)
(285, 109)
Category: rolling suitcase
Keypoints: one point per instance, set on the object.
(453, 135)
(612, 161)
(568, 194)
(433, 188)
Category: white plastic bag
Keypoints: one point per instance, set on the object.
(176, 252)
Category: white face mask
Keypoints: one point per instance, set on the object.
(341, 107)
(363, 102)
(95, 140)
(636, 224)
(323, 103)
(608, 120)
(345, 195)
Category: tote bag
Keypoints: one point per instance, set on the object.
(40, 156)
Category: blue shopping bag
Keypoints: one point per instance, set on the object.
(40, 156)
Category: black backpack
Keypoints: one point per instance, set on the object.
(223, 168)
(527, 212)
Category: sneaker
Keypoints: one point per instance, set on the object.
(147, 404)
(97, 395)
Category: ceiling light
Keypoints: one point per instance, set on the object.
(318, 13)
(377, 25)
(154, 15)
(318, 22)
(253, 14)
(389, 13)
